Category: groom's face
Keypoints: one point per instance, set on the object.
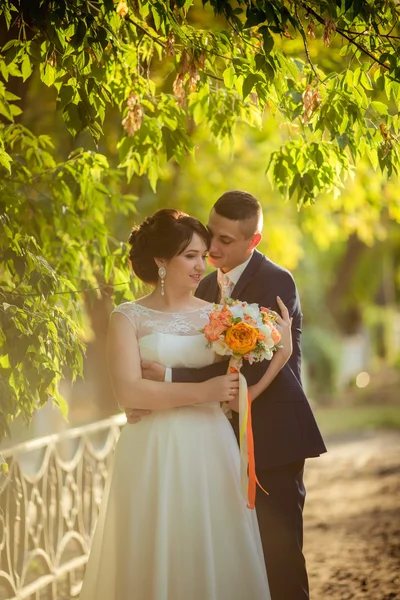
(231, 244)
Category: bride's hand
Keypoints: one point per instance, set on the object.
(220, 389)
(280, 357)
(284, 326)
(234, 404)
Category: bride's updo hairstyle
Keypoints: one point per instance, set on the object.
(164, 235)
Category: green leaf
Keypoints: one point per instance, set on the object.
(5, 160)
(26, 67)
(4, 70)
(97, 49)
(254, 17)
(72, 118)
(249, 83)
(343, 141)
(10, 96)
(373, 156)
(169, 142)
(268, 40)
(62, 405)
(269, 71)
(48, 74)
(7, 16)
(260, 62)
(156, 17)
(5, 110)
(77, 39)
(108, 268)
(380, 82)
(238, 83)
(10, 44)
(15, 110)
(96, 130)
(66, 95)
(380, 107)
(366, 81)
(229, 77)
(349, 78)
(199, 112)
(82, 60)
(152, 174)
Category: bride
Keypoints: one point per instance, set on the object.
(173, 523)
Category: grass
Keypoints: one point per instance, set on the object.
(346, 419)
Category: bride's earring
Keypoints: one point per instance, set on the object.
(162, 271)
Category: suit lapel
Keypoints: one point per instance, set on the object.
(247, 274)
(212, 292)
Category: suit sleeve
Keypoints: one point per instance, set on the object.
(186, 375)
(294, 308)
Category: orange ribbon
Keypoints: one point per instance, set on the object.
(249, 480)
(253, 480)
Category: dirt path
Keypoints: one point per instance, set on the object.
(352, 519)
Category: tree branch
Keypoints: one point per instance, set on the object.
(208, 74)
(306, 48)
(343, 33)
(143, 30)
(368, 33)
(158, 41)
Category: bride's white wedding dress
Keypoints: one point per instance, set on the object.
(173, 523)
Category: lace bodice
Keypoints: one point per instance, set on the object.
(146, 320)
(172, 339)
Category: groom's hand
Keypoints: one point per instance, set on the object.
(153, 371)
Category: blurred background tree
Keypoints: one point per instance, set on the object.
(113, 110)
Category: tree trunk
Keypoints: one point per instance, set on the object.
(349, 319)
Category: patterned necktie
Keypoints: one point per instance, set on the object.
(225, 285)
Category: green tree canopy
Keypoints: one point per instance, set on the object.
(165, 73)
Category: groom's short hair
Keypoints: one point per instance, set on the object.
(241, 206)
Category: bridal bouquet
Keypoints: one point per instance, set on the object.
(244, 332)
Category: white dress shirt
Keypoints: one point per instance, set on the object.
(227, 281)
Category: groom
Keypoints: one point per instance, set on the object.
(285, 431)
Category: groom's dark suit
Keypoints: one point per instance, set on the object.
(285, 431)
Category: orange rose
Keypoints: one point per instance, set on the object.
(241, 338)
(223, 316)
(213, 330)
(276, 336)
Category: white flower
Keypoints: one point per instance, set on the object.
(269, 342)
(265, 330)
(267, 349)
(253, 311)
(237, 310)
(220, 347)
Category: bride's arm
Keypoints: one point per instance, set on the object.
(280, 357)
(134, 392)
